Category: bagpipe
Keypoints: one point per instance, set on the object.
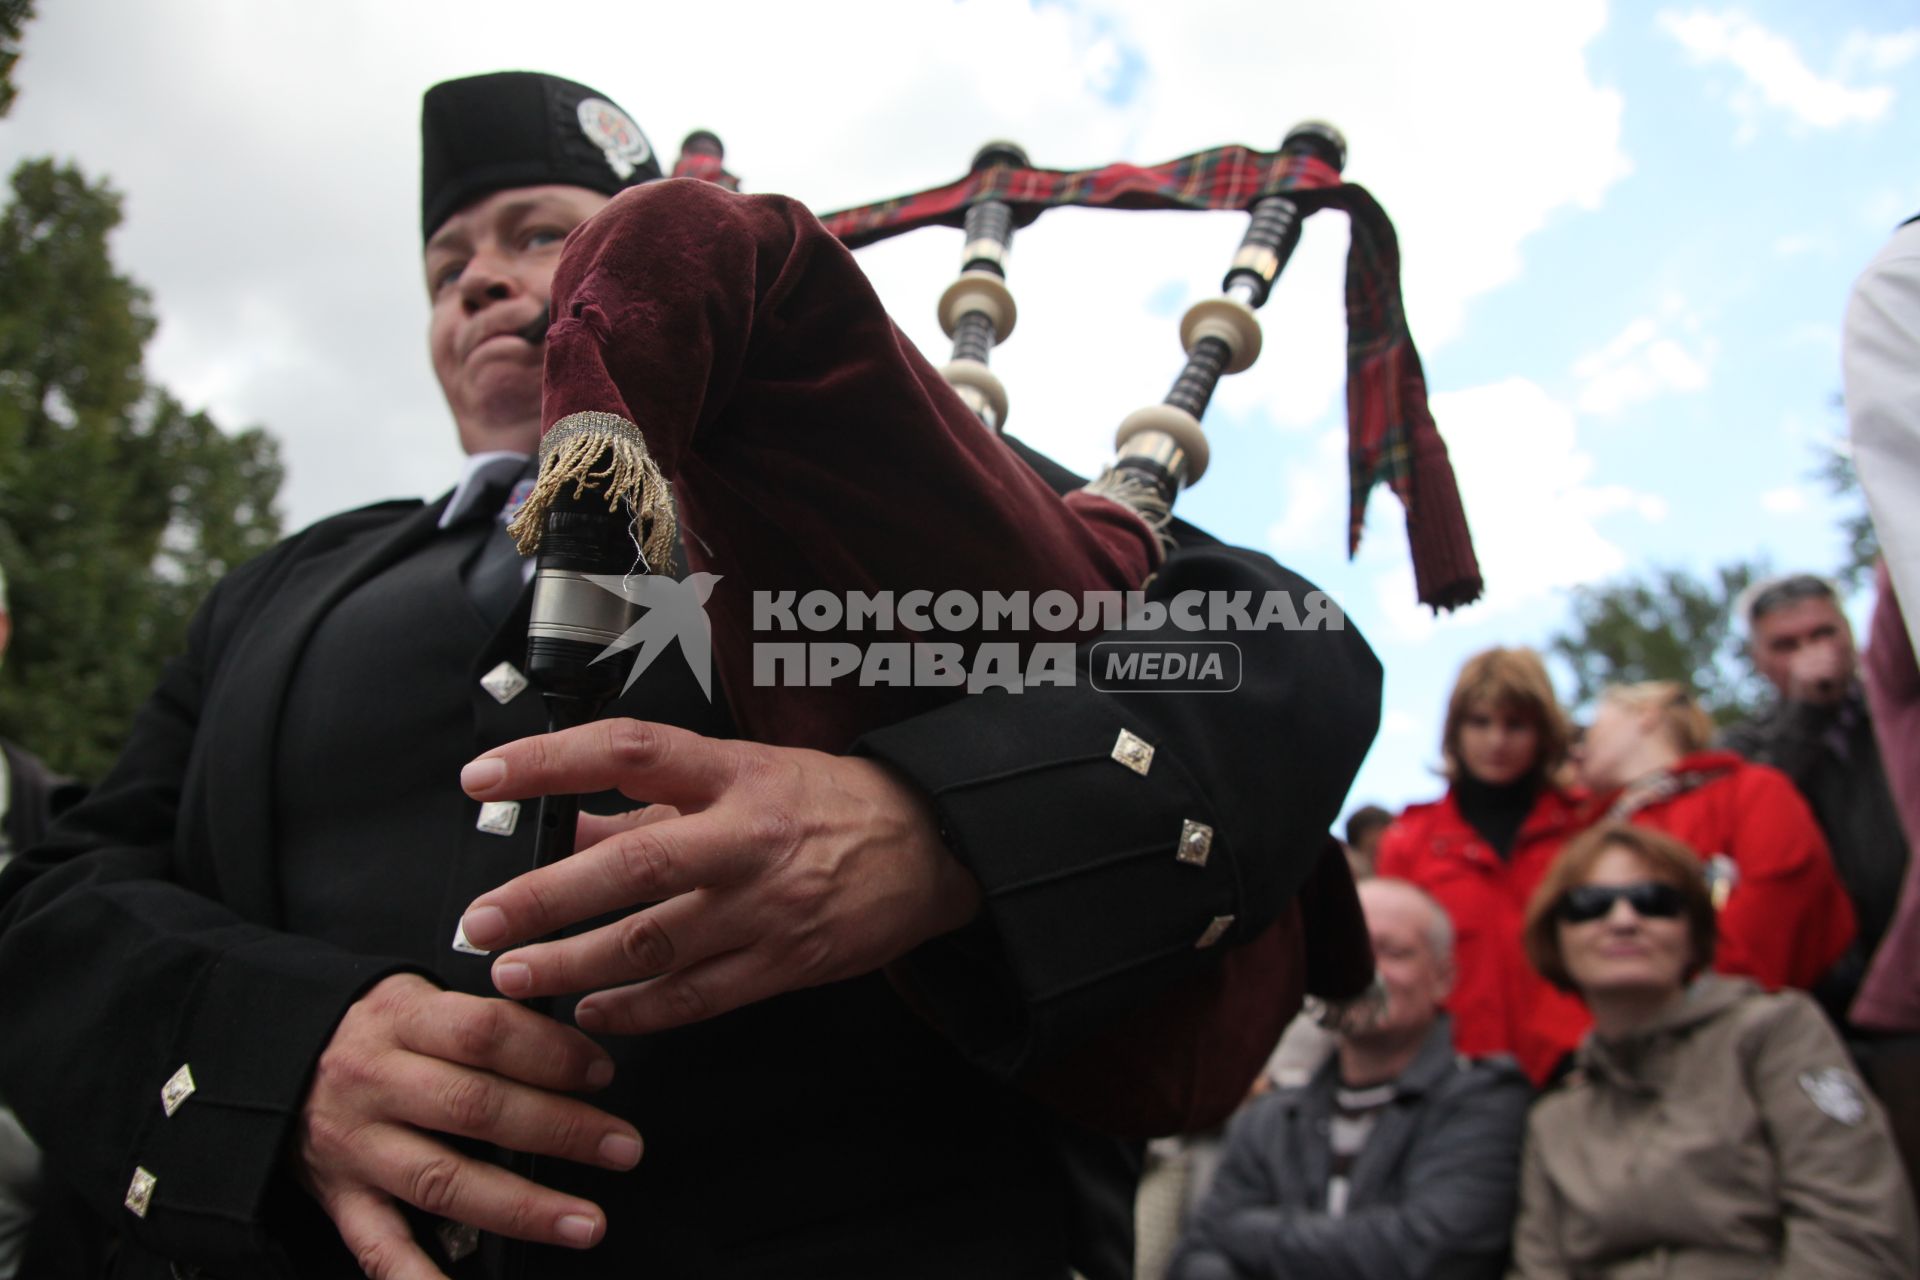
(721, 377)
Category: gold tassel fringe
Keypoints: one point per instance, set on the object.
(601, 452)
(1142, 497)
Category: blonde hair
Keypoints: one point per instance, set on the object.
(1687, 727)
(1513, 680)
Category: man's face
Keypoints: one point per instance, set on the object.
(1805, 649)
(489, 274)
(1400, 924)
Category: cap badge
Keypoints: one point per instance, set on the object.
(614, 132)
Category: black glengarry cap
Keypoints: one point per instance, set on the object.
(487, 133)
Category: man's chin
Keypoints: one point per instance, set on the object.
(521, 435)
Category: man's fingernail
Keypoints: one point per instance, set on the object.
(589, 1017)
(462, 945)
(600, 1074)
(620, 1151)
(510, 979)
(578, 1230)
(483, 774)
(484, 927)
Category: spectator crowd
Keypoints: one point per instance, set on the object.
(1635, 1020)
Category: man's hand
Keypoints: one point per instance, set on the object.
(410, 1058)
(1820, 672)
(774, 869)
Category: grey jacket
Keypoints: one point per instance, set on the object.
(1432, 1193)
(1730, 1140)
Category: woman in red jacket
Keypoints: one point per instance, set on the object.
(1784, 914)
(1481, 848)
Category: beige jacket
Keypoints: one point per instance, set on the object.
(1731, 1139)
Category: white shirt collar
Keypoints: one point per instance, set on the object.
(482, 470)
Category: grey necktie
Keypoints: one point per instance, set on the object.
(496, 577)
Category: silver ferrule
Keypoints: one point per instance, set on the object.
(566, 606)
(1243, 291)
(1160, 448)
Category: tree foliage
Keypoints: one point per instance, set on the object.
(119, 507)
(1856, 526)
(1665, 625)
(13, 21)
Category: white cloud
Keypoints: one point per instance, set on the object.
(1535, 514)
(1311, 505)
(1880, 53)
(1825, 337)
(1652, 356)
(1773, 70)
(1799, 244)
(1784, 501)
(1396, 723)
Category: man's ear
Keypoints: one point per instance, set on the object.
(1442, 979)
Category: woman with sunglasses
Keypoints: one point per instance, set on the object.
(1709, 1130)
(1784, 915)
(1481, 848)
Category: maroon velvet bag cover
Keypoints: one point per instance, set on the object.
(810, 447)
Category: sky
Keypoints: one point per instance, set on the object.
(1628, 234)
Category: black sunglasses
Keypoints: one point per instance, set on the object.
(1650, 900)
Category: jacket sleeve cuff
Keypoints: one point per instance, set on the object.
(213, 1149)
(1097, 874)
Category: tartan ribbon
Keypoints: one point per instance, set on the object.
(1391, 437)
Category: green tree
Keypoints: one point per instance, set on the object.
(118, 506)
(1856, 526)
(1665, 625)
(13, 20)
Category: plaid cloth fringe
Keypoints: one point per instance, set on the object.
(1390, 430)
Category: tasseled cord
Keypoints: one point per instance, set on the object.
(601, 452)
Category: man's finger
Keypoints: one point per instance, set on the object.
(446, 1098)
(676, 934)
(377, 1236)
(640, 759)
(437, 1179)
(650, 863)
(595, 827)
(505, 1039)
(705, 990)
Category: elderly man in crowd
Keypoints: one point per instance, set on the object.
(1398, 1158)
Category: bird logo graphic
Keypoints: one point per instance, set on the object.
(675, 612)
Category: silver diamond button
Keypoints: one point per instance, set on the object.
(1134, 752)
(461, 944)
(1215, 931)
(140, 1193)
(178, 1088)
(504, 682)
(1196, 842)
(458, 1239)
(499, 817)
